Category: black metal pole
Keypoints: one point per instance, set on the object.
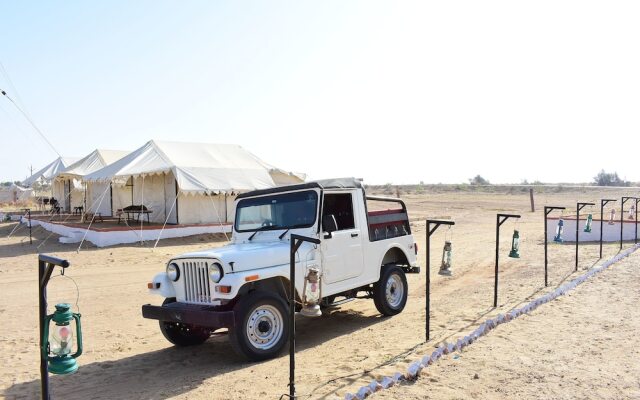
(495, 280)
(292, 317)
(546, 259)
(500, 219)
(601, 224)
(635, 240)
(621, 220)
(579, 207)
(577, 233)
(547, 211)
(603, 202)
(46, 265)
(30, 237)
(624, 200)
(428, 285)
(430, 231)
(295, 242)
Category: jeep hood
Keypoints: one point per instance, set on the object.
(249, 256)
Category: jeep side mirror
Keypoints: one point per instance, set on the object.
(329, 224)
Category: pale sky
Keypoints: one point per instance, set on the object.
(388, 91)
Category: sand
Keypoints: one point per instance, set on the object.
(126, 357)
(583, 345)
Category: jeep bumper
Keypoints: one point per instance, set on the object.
(192, 314)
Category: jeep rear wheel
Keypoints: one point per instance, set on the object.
(182, 334)
(261, 328)
(390, 292)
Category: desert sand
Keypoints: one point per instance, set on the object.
(583, 345)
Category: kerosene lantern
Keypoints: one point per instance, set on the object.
(58, 340)
(445, 267)
(587, 225)
(612, 217)
(559, 230)
(311, 293)
(515, 245)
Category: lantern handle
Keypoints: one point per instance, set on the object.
(75, 283)
(78, 352)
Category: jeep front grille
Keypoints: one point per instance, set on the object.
(196, 282)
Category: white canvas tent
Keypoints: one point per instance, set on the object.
(15, 193)
(185, 183)
(47, 173)
(67, 186)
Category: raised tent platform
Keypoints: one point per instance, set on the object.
(610, 232)
(109, 232)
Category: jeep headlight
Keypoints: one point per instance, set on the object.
(215, 272)
(173, 271)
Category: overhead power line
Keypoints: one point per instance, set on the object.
(14, 91)
(30, 121)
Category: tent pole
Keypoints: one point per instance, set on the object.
(111, 197)
(176, 182)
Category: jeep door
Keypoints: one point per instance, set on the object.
(342, 256)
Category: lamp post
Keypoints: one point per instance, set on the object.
(603, 202)
(64, 363)
(624, 200)
(579, 207)
(500, 219)
(295, 243)
(430, 232)
(547, 211)
(635, 240)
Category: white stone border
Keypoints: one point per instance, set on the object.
(417, 366)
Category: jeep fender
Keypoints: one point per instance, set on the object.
(163, 284)
(395, 253)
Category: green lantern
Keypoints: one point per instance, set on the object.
(515, 245)
(445, 267)
(587, 226)
(57, 347)
(559, 229)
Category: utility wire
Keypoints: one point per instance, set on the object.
(13, 87)
(30, 121)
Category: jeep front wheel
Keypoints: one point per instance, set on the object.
(390, 292)
(261, 328)
(182, 334)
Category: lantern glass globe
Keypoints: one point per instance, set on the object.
(61, 340)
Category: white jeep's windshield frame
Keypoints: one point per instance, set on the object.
(287, 210)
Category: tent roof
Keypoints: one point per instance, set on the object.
(91, 162)
(48, 172)
(198, 167)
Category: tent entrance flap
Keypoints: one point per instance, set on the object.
(170, 187)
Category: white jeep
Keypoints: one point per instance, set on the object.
(244, 286)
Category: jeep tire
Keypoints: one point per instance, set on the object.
(182, 334)
(261, 328)
(390, 292)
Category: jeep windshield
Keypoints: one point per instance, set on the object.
(278, 211)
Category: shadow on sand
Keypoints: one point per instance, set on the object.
(173, 371)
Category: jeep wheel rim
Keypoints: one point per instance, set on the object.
(264, 327)
(394, 291)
